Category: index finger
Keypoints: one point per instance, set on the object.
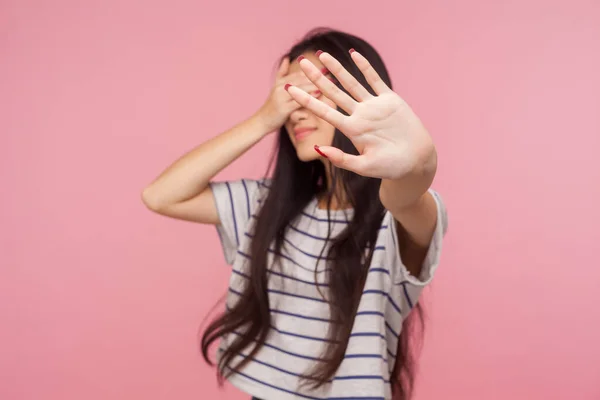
(317, 107)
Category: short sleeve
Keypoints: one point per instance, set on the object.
(236, 202)
(432, 259)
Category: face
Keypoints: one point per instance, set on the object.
(306, 129)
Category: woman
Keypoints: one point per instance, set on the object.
(331, 254)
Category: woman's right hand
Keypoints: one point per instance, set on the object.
(279, 105)
(182, 191)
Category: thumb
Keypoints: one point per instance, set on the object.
(340, 159)
(283, 68)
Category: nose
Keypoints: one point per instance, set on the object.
(298, 115)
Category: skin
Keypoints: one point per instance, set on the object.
(323, 132)
(392, 142)
(302, 117)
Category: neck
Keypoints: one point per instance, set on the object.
(339, 200)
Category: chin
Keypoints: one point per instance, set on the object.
(307, 153)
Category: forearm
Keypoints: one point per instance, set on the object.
(408, 201)
(191, 174)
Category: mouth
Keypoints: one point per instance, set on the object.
(301, 133)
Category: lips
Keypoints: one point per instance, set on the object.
(301, 133)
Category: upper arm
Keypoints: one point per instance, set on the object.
(201, 209)
(236, 203)
(228, 205)
(418, 233)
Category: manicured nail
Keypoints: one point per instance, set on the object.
(300, 58)
(324, 71)
(319, 52)
(287, 86)
(319, 151)
(352, 51)
(316, 93)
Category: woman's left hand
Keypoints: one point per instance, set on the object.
(391, 140)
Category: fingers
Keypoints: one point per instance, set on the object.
(327, 87)
(283, 68)
(308, 87)
(348, 81)
(317, 107)
(342, 160)
(299, 80)
(369, 73)
(295, 78)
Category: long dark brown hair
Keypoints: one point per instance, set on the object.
(293, 185)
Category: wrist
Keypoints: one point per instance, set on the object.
(408, 190)
(264, 119)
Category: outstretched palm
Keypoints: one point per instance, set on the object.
(389, 137)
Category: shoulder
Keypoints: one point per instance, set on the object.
(242, 189)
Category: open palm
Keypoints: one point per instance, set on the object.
(390, 138)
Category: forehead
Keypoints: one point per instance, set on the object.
(295, 67)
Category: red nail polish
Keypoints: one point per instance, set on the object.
(300, 58)
(319, 52)
(287, 86)
(324, 71)
(319, 151)
(352, 51)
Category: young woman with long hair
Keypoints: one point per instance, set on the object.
(331, 252)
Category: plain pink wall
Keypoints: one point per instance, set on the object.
(100, 299)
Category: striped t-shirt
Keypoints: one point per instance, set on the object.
(299, 314)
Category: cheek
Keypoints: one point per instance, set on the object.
(327, 133)
(288, 128)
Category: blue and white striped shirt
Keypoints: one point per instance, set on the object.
(299, 314)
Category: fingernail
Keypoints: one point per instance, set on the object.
(324, 71)
(319, 52)
(300, 58)
(316, 93)
(319, 151)
(352, 51)
(287, 86)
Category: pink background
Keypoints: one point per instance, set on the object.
(100, 299)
